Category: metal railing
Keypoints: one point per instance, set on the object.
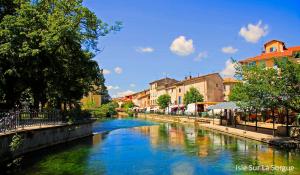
(13, 120)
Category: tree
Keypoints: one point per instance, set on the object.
(272, 88)
(163, 101)
(128, 105)
(47, 47)
(192, 96)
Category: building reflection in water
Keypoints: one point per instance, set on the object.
(211, 145)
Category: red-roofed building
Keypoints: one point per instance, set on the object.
(274, 49)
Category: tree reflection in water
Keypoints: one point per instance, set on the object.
(210, 146)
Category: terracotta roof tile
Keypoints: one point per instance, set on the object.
(264, 56)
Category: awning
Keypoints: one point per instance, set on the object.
(224, 105)
(176, 106)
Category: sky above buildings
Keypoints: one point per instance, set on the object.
(177, 38)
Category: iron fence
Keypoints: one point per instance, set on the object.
(12, 120)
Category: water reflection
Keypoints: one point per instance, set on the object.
(164, 148)
(210, 147)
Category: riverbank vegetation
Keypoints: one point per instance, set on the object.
(47, 50)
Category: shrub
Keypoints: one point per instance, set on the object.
(106, 110)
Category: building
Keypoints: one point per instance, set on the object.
(143, 99)
(274, 49)
(210, 86)
(158, 88)
(122, 100)
(91, 100)
(228, 84)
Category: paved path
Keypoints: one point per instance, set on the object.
(238, 132)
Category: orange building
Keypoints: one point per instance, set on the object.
(274, 49)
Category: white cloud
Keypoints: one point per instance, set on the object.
(229, 50)
(182, 47)
(132, 85)
(124, 93)
(229, 69)
(112, 87)
(252, 33)
(201, 56)
(145, 49)
(106, 71)
(118, 70)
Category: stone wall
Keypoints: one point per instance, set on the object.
(43, 137)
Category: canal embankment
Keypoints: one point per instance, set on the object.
(214, 124)
(36, 138)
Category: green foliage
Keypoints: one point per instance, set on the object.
(47, 47)
(106, 110)
(76, 115)
(192, 96)
(163, 101)
(89, 105)
(268, 88)
(15, 143)
(128, 105)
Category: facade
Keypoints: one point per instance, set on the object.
(274, 49)
(228, 85)
(122, 100)
(210, 86)
(143, 100)
(158, 88)
(91, 100)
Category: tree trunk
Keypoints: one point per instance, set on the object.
(256, 120)
(273, 118)
(287, 121)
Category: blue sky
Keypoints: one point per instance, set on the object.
(176, 38)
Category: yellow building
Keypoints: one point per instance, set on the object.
(228, 85)
(158, 88)
(91, 100)
(274, 49)
(210, 86)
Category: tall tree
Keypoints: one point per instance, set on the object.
(48, 46)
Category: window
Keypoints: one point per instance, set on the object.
(253, 63)
(179, 100)
(179, 90)
(217, 85)
(273, 49)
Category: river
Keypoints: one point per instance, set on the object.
(132, 146)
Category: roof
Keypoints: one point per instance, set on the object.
(224, 105)
(274, 40)
(198, 78)
(164, 81)
(230, 80)
(264, 56)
